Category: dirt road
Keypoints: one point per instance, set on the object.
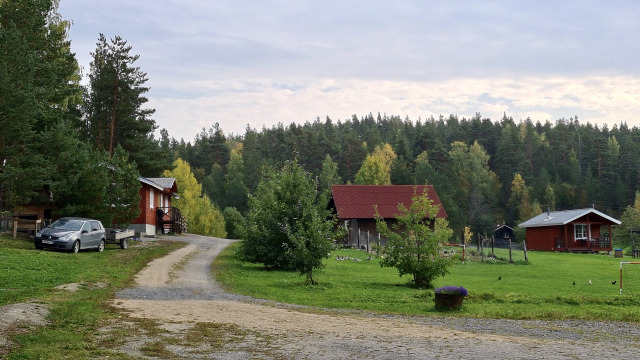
(178, 294)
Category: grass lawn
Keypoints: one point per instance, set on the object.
(540, 289)
(31, 275)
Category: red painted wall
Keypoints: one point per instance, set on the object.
(543, 238)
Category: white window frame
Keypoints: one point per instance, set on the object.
(151, 196)
(580, 232)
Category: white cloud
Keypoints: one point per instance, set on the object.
(238, 62)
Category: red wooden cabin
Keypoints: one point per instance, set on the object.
(581, 230)
(354, 205)
(156, 213)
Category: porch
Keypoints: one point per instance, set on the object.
(170, 219)
(590, 245)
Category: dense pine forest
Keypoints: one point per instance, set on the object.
(485, 171)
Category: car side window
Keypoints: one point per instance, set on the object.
(86, 227)
(95, 226)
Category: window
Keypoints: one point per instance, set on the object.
(580, 231)
(151, 196)
(95, 225)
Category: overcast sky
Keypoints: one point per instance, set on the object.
(259, 63)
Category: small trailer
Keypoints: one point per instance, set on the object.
(119, 237)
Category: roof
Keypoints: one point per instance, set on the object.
(554, 218)
(357, 201)
(500, 226)
(162, 184)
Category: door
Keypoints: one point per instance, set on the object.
(96, 232)
(86, 236)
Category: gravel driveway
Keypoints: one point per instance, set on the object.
(178, 294)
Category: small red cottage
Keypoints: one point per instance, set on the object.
(354, 205)
(156, 213)
(582, 230)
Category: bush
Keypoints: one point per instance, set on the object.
(234, 223)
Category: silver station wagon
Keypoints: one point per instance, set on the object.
(72, 234)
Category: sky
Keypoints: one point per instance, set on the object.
(259, 63)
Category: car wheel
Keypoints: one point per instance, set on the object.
(100, 246)
(38, 247)
(124, 243)
(76, 247)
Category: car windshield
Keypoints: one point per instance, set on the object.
(67, 224)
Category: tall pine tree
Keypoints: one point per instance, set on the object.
(114, 106)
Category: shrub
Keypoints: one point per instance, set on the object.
(234, 223)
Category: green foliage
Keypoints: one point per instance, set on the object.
(471, 161)
(123, 193)
(235, 223)
(626, 234)
(88, 183)
(213, 184)
(39, 88)
(376, 168)
(288, 225)
(476, 185)
(328, 175)
(202, 216)
(234, 189)
(114, 106)
(520, 200)
(207, 219)
(414, 241)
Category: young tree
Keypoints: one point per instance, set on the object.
(288, 225)
(625, 233)
(415, 240)
(376, 168)
(207, 219)
(328, 175)
(519, 199)
(202, 216)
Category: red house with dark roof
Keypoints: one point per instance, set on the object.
(355, 206)
(156, 213)
(579, 230)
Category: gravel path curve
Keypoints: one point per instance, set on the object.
(179, 292)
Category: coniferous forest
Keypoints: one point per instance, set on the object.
(69, 143)
(485, 171)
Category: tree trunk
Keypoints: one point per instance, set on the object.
(113, 118)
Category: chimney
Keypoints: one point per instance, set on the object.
(548, 211)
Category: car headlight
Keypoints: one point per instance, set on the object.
(68, 237)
